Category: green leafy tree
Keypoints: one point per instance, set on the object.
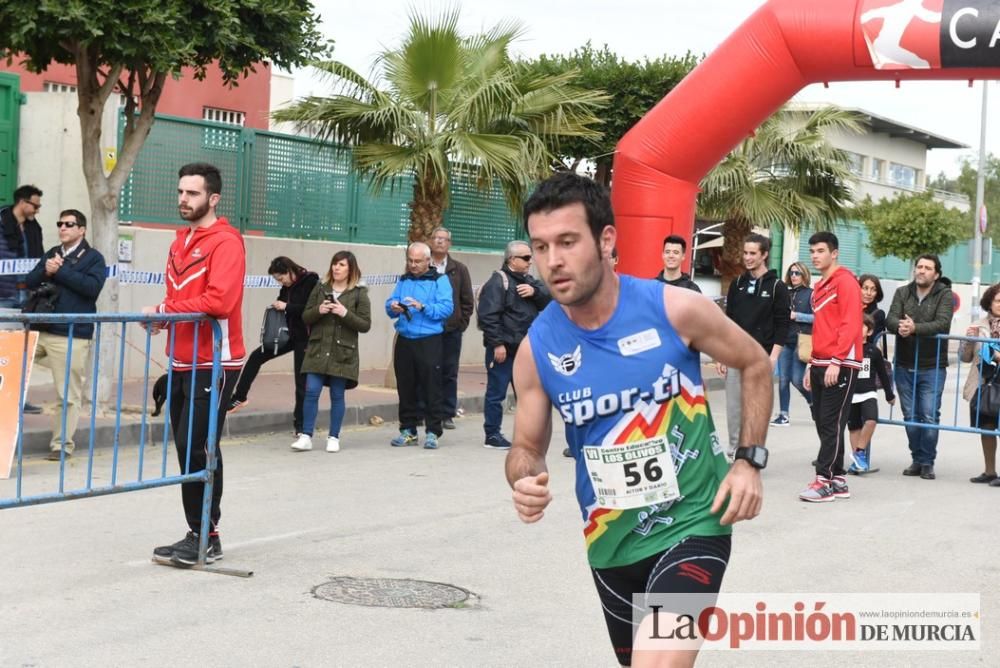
(442, 101)
(633, 87)
(910, 225)
(131, 47)
(785, 176)
(965, 183)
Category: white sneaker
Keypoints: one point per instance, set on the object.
(302, 443)
(332, 444)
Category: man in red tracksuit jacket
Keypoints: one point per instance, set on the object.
(205, 270)
(838, 348)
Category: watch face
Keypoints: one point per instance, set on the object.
(759, 456)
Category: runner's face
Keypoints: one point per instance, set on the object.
(673, 255)
(868, 293)
(570, 262)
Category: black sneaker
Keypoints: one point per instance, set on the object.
(496, 441)
(567, 453)
(185, 551)
(448, 423)
(31, 409)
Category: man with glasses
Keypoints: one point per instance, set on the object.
(20, 237)
(451, 340)
(509, 302)
(74, 273)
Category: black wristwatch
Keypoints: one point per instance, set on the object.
(755, 455)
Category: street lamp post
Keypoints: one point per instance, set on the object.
(979, 214)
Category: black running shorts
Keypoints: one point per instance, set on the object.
(695, 565)
(861, 413)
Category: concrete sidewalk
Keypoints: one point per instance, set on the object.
(270, 406)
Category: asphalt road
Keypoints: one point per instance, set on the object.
(77, 587)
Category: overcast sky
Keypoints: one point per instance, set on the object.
(638, 28)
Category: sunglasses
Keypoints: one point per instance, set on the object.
(67, 223)
(794, 273)
(526, 258)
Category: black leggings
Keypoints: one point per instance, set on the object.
(695, 565)
(259, 357)
(181, 408)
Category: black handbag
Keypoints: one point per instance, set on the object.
(274, 333)
(988, 395)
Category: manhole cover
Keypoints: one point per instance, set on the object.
(390, 593)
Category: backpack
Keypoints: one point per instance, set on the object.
(274, 330)
(503, 280)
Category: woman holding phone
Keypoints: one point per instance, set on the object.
(338, 311)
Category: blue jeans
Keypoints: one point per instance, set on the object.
(791, 371)
(310, 407)
(920, 398)
(498, 379)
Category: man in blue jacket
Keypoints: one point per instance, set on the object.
(72, 274)
(420, 305)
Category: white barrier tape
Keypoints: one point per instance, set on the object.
(128, 276)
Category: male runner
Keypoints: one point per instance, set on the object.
(615, 355)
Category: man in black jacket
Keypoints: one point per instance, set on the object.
(76, 273)
(921, 310)
(20, 237)
(451, 342)
(758, 302)
(509, 302)
(674, 250)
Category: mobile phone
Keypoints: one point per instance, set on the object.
(330, 297)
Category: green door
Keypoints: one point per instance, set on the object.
(10, 109)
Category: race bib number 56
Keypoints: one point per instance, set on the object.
(632, 475)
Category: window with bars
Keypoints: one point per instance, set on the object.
(224, 116)
(55, 87)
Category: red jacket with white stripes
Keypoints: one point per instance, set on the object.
(837, 338)
(205, 275)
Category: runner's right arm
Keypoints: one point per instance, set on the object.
(527, 473)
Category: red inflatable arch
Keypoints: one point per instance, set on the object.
(784, 46)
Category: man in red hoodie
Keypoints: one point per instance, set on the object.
(205, 270)
(836, 359)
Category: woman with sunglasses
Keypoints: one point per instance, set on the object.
(791, 370)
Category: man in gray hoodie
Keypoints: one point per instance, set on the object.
(921, 310)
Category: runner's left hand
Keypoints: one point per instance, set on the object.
(745, 491)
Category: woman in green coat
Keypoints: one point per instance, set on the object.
(337, 311)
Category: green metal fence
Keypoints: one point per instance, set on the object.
(956, 264)
(290, 186)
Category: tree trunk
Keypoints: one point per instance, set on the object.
(427, 207)
(603, 173)
(733, 233)
(93, 90)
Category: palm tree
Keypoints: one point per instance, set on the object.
(785, 176)
(442, 103)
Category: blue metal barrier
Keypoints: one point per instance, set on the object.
(89, 489)
(943, 340)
